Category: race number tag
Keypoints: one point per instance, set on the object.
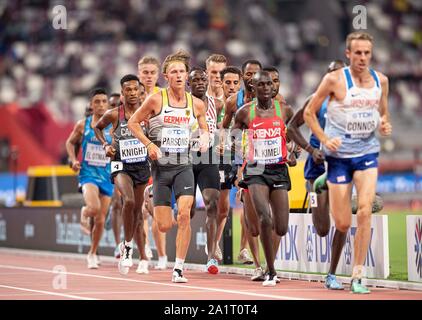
(175, 140)
(313, 199)
(267, 150)
(96, 156)
(132, 151)
(360, 124)
(222, 179)
(116, 166)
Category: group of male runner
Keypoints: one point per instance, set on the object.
(219, 135)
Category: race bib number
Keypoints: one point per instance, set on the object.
(132, 151)
(361, 124)
(175, 140)
(222, 179)
(116, 166)
(96, 156)
(267, 150)
(313, 199)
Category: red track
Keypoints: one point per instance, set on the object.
(24, 276)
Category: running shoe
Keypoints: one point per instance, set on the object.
(148, 252)
(97, 259)
(258, 275)
(178, 277)
(270, 280)
(218, 254)
(357, 287)
(244, 257)
(125, 261)
(142, 267)
(331, 283)
(162, 263)
(92, 262)
(212, 266)
(117, 252)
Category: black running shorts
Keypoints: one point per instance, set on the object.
(206, 176)
(139, 173)
(273, 176)
(179, 177)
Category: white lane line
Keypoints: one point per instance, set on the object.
(252, 294)
(48, 293)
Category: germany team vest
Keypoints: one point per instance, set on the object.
(171, 129)
(267, 137)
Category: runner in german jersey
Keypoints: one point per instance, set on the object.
(129, 170)
(266, 173)
(94, 172)
(172, 113)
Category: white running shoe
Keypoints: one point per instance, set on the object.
(270, 280)
(97, 258)
(92, 261)
(244, 257)
(178, 277)
(126, 255)
(148, 252)
(218, 254)
(142, 267)
(258, 275)
(162, 263)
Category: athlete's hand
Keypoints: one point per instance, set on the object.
(333, 144)
(385, 128)
(318, 156)
(154, 152)
(291, 160)
(204, 140)
(76, 166)
(110, 151)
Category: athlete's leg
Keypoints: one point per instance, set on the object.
(280, 216)
(184, 204)
(223, 212)
(321, 212)
(116, 217)
(99, 221)
(210, 197)
(251, 227)
(260, 195)
(365, 182)
(139, 220)
(92, 206)
(125, 186)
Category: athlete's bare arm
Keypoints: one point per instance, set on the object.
(199, 109)
(230, 110)
(150, 107)
(325, 89)
(109, 117)
(75, 138)
(385, 128)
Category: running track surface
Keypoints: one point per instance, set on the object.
(29, 277)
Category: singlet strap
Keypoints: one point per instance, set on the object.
(375, 76)
(165, 98)
(189, 100)
(348, 78)
(277, 108)
(252, 112)
(122, 113)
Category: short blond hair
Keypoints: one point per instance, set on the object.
(180, 56)
(358, 35)
(149, 60)
(217, 58)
